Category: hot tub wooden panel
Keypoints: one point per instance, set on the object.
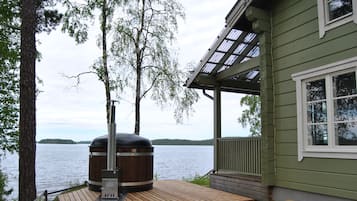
(135, 166)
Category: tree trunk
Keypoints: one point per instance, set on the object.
(139, 57)
(27, 139)
(137, 101)
(105, 59)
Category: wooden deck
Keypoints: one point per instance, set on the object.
(166, 190)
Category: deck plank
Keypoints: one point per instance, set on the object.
(86, 194)
(76, 196)
(82, 195)
(187, 191)
(165, 190)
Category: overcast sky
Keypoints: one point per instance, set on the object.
(78, 113)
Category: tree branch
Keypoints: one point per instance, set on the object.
(152, 85)
(78, 76)
(150, 66)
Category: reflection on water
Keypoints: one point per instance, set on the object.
(61, 166)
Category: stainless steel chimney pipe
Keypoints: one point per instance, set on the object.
(111, 157)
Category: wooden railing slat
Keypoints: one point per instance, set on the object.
(241, 155)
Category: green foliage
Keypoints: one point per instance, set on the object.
(142, 47)
(47, 19)
(79, 15)
(10, 39)
(9, 75)
(75, 19)
(156, 176)
(75, 22)
(56, 141)
(3, 191)
(200, 180)
(252, 115)
(142, 35)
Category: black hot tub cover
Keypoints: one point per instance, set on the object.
(122, 139)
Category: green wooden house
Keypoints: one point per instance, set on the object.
(300, 56)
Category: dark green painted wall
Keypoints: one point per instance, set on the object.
(297, 47)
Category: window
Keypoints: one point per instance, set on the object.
(334, 13)
(327, 111)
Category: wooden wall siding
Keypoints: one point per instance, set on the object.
(241, 186)
(297, 47)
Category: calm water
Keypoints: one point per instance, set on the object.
(61, 166)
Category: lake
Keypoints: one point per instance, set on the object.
(60, 166)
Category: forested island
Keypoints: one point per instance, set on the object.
(154, 142)
(62, 141)
(181, 142)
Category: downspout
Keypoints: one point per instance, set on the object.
(206, 94)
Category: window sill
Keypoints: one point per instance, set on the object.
(334, 24)
(328, 154)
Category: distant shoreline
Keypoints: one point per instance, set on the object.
(181, 142)
(61, 141)
(154, 142)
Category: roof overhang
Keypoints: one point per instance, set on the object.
(232, 62)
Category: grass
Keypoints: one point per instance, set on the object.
(200, 180)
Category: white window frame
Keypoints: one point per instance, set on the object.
(321, 151)
(325, 24)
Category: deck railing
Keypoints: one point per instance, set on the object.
(239, 155)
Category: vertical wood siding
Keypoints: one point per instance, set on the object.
(297, 47)
(240, 155)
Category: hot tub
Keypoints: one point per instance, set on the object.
(134, 159)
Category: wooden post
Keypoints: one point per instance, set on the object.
(261, 25)
(216, 123)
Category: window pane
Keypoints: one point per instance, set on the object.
(317, 112)
(316, 90)
(345, 109)
(339, 8)
(346, 133)
(344, 85)
(317, 134)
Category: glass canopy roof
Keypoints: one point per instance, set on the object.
(237, 47)
(232, 49)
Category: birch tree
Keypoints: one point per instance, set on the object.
(75, 22)
(142, 47)
(252, 115)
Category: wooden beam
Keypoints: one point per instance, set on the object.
(237, 11)
(206, 80)
(239, 68)
(240, 85)
(236, 86)
(229, 89)
(253, 14)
